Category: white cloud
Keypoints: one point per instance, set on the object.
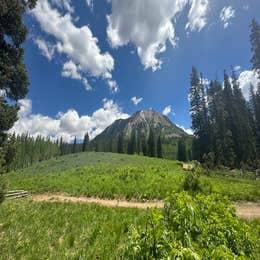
(67, 125)
(112, 86)
(90, 3)
(237, 68)
(226, 14)
(46, 48)
(197, 14)
(77, 43)
(187, 130)
(148, 24)
(136, 100)
(70, 70)
(64, 4)
(246, 78)
(167, 110)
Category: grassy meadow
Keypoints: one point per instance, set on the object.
(109, 175)
(55, 230)
(42, 230)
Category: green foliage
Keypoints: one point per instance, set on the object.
(85, 145)
(159, 147)
(111, 175)
(3, 186)
(209, 161)
(7, 153)
(29, 150)
(192, 182)
(201, 227)
(45, 230)
(151, 143)
(182, 153)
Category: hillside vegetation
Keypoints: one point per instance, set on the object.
(109, 175)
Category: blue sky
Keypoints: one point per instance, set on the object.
(126, 50)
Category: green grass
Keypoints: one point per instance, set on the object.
(30, 230)
(110, 175)
(48, 230)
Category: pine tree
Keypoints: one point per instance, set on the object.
(13, 75)
(244, 142)
(182, 153)
(198, 111)
(74, 147)
(159, 147)
(255, 48)
(120, 144)
(217, 116)
(131, 147)
(151, 144)
(229, 153)
(144, 147)
(85, 145)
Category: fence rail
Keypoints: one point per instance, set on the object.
(15, 194)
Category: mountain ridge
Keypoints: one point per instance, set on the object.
(142, 121)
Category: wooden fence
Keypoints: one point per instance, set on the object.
(15, 194)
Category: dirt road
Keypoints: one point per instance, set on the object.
(246, 210)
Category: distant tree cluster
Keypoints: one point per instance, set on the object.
(24, 150)
(226, 126)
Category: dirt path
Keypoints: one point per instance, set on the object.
(246, 210)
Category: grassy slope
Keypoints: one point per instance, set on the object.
(121, 176)
(44, 230)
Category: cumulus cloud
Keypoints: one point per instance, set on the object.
(77, 43)
(66, 125)
(64, 4)
(47, 49)
(136, 100)
(226, 14)
(148, 24)
(167, 110)
(246, 78)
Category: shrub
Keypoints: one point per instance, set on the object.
(192, 182)
(2, 188)
(201, 227)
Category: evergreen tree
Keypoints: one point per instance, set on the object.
(151, 144)
(120, 144)
(74, 147)
(85, 145)
(131, 147)
(198, 111)
(159, 147)
(13, 75)
(255, 48)
(144, 147)
(217, 116)
(182, 153)
(242, 132)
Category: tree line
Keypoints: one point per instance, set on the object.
(226, 126)
(152, 145)
(25, 150)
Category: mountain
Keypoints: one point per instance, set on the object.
(141, 122)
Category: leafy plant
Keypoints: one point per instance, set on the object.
(3, 185)
(200, 227)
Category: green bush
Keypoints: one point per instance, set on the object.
(201, 227)
(192, 182)
(2, 188)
